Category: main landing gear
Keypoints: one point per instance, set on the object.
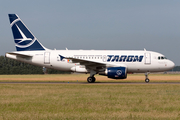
(147, 79)
(91, 79)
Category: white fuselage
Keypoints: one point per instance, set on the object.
(136, 61)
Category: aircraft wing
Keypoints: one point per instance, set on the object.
(86, 62)
(97, 66)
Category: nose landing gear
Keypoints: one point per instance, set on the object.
(146, 75)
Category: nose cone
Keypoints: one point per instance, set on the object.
(170, 65)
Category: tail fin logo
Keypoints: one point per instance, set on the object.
(23, 38)
(24, 41)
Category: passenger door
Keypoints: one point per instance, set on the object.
(147, 58)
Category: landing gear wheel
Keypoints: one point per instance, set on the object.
(146, 75)
(91, 79)
(146, 80)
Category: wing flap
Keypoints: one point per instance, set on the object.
(86, 62)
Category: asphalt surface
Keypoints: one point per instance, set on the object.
(96, 83)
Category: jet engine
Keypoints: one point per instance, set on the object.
(115, 72)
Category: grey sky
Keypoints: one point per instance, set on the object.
(97, 24)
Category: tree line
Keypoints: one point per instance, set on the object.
(176, 68)
(10, 66)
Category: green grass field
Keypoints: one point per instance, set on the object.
(88, 101)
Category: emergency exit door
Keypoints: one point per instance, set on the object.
(47, 58)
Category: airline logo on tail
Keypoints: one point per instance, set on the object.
(23, 38)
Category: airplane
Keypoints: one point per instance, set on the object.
(114, 64)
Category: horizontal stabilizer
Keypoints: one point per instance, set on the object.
(20, 55)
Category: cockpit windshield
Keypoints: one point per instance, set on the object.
(161, 58)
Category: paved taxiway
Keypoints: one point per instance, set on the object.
(96, 83)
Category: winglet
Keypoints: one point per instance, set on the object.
(61, 57)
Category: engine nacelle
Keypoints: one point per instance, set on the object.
(115, 72)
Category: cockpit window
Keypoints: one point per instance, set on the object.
(161, 58)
